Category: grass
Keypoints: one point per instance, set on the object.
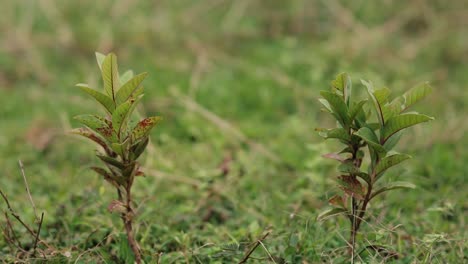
(236, 82)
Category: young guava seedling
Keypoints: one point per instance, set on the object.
(122, 138)
(378, 130)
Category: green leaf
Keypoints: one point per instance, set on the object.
(388, 162)
(120, 116)
(119, 148)
(137, 149)
(348, 167)
(365, 177)
(330, 212)
(403, 121)
(356, 108)
(391, 110)
(130, 170)
(382, 95)
(134, 105)
(392, 141)
(325, 104)
(130, 89)
(338, 106)
(100, 58)
(379, 98)
(107, 176)
(101, 171)
(126, 77)
(111, 161)
(392, 186)
(346, 150)
(98, 124)
(343, 84)
(370, 138)
(87, 133)
(415, 95)
(339, 133)
(110, 75)
(103, 99)
(143, 127)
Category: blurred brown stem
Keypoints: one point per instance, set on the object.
(127, 219)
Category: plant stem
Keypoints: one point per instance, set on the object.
(352, 238)
(354, 206)
(127, 218)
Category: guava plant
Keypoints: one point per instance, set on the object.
(379, 130)
(122, 138)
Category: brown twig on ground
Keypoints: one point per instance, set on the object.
(8, 231)
(37, 234)
(15, 215)
(252, 249)
(14, 240)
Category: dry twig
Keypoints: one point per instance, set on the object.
(252, 249)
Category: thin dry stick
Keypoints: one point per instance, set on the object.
(18, 218)
(268, 252)
(9, 229)
(37, 233)
(259, 241)
(91, 249)
(27, 189)
(15, 215)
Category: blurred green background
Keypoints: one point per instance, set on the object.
(237, 83)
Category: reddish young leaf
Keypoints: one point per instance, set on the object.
(143, 127)
(352, 186)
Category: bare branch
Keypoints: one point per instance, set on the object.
(259, 241)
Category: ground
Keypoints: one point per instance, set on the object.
(236, 155)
